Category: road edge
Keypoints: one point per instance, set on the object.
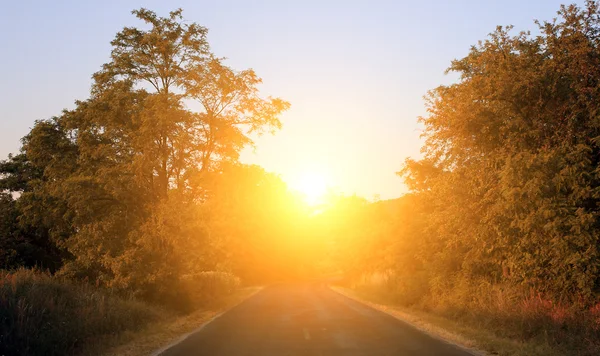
(344, 292)
(158, 352)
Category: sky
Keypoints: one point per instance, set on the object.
(355, 72)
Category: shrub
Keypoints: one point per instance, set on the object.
(208, 287)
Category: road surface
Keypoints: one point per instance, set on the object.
(308, 320)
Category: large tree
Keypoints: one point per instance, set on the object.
(120, 180)
(171, 61)
(510, 170)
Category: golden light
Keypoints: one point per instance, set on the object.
(313, 186)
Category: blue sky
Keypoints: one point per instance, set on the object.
(354, 71)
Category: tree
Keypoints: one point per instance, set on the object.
(510, 171)
(232, 109)
(174, 58)
(157, 57)
(253, 220)
(129, 166)
(33, 223)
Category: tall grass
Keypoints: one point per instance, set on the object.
(208, 288)
(510, 312)
(199, 290)
(42, 315)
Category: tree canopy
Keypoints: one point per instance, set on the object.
(119, 183)
(510, 178)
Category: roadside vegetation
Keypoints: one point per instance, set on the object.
(501, 228)
(133, 208)
(121, 212)
(43, 314)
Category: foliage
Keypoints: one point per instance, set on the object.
(256, 224)
(509, 179)
(501, 226)
(121, 184)
(24, 242)
(139, 189)
(208, 287)
(23, 245)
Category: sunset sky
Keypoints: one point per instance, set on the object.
(355, 72)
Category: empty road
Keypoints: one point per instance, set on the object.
(308, 320)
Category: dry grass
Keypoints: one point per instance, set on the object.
(45, 315)
(158, 336)
(494, 318)
(418, 320)
(42, 315)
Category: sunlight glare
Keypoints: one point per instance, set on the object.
(312, 186)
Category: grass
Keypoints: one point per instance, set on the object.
(158, 335)
(495, 323)
(45, 315)
(41, 315)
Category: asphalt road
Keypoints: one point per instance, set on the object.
(308, 320)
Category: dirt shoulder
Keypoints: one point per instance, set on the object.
(476, 340)
(157, 337)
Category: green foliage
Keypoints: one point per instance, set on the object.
(22, 245)
(24, 242)
(16, 172)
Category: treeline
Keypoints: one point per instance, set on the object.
(502, 226)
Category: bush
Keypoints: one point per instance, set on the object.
(45, 315)
(206, 288)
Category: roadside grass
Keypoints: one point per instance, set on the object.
(483, 335)
(159, 335)
(41, 314)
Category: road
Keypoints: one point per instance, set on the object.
(308, 320)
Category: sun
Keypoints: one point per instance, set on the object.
(313, 186)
